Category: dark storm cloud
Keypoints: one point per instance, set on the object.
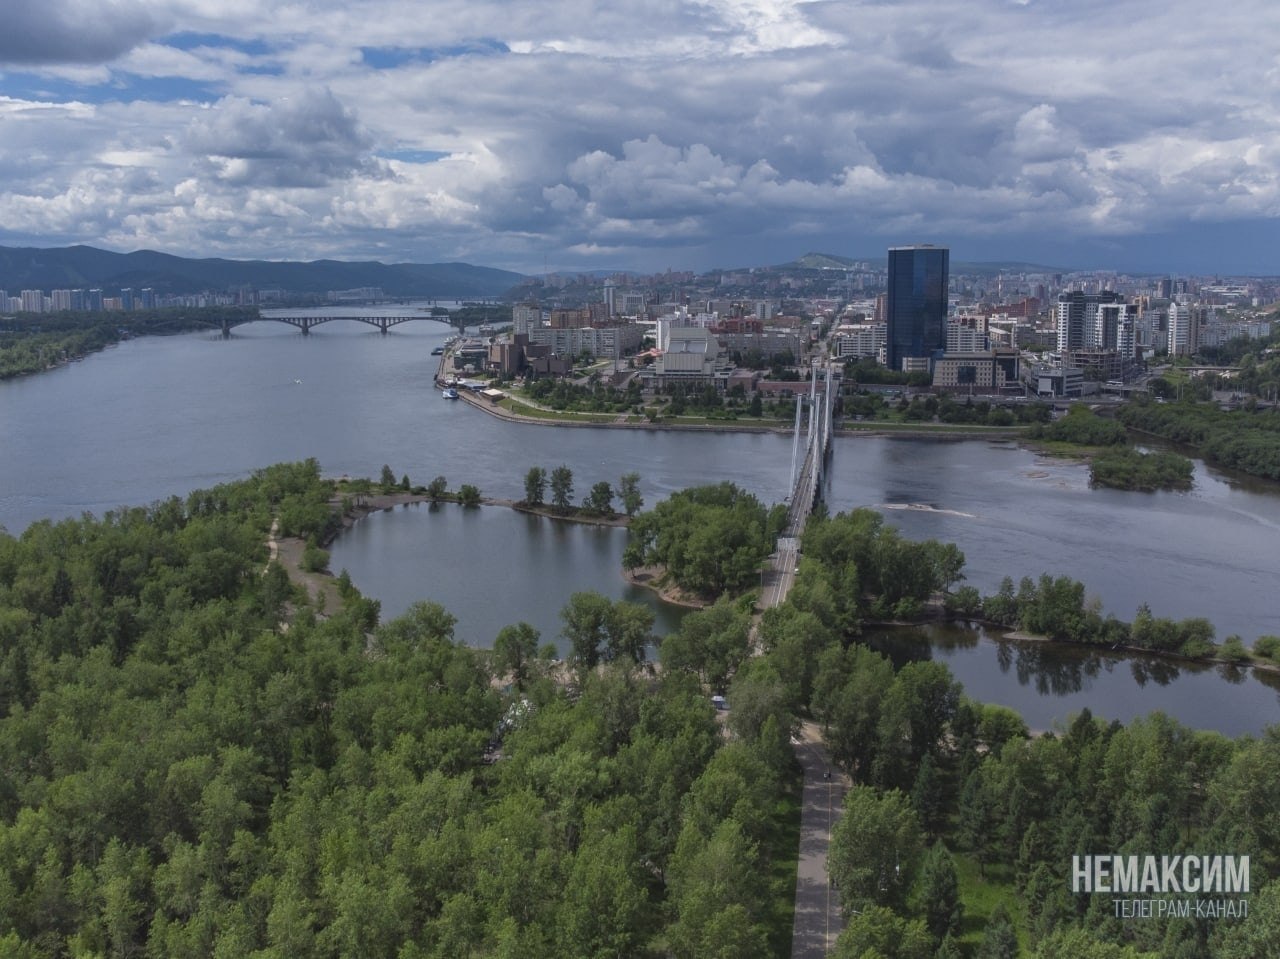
(72, 31)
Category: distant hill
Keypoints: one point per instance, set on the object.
(822, 261)
(85, 266)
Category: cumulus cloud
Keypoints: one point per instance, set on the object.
(73, 31)
(305, 141)
(504, 130)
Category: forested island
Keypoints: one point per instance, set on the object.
(1246, 439)
(196, 760)
(1112, 461)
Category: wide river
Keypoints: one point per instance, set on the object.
(158, 416)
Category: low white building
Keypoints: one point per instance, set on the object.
(691, 356)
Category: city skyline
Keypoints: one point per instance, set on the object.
(727, 133)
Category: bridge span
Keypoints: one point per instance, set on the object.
(806, 484)
(305, 321)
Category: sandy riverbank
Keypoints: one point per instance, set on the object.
(654, 578)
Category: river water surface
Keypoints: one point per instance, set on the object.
(158, 416)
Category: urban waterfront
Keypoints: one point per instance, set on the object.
(154, 417)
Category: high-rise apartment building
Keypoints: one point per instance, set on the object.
(1114, 327)
(526, 317)
(1078, 319)
(916, 304)
(1183, 330)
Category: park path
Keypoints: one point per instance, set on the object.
(817, 920)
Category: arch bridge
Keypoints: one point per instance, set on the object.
(305, 321)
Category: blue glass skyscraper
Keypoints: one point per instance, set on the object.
(916, 307)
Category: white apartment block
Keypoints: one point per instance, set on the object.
(611, 342)
(857, 340)
(963, 338)
(526, 318)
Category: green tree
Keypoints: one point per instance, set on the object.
(535, 485)
(710, 642)
(600, 499)
(1079, 944)
(1232, 649)
(629, 493)
(710, 877)
(387, 479)
(469, 495)
(949, 949)
(628, 631)
(586, 620)
(1258, 937)
(850, 686)
(604, 904)
(437, 488)
(514, 650)
(940, 894)
(315, 559)
(914, 715)
(561, 487)
(999, 939)
(875, 847)
(878, 931)
(977, 818)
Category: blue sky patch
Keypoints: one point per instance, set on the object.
(412, 156)
(386, 58)
(193, 41)
(122, 87)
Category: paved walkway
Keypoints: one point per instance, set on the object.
(817, 919)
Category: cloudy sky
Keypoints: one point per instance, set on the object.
(646, 134)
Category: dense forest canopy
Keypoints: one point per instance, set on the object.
(195, 762)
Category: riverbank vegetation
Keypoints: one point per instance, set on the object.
(549, 397)
(597, 503)
(195, 761)
(1246, 439)
(34, 342)
(1112, 462)
(944, 409)
(857, 571)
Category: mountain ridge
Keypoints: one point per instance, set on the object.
(49, 268)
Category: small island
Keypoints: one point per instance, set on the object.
(1132, 469)
(1113, 462)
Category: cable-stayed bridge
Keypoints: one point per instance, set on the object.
(807, 475)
